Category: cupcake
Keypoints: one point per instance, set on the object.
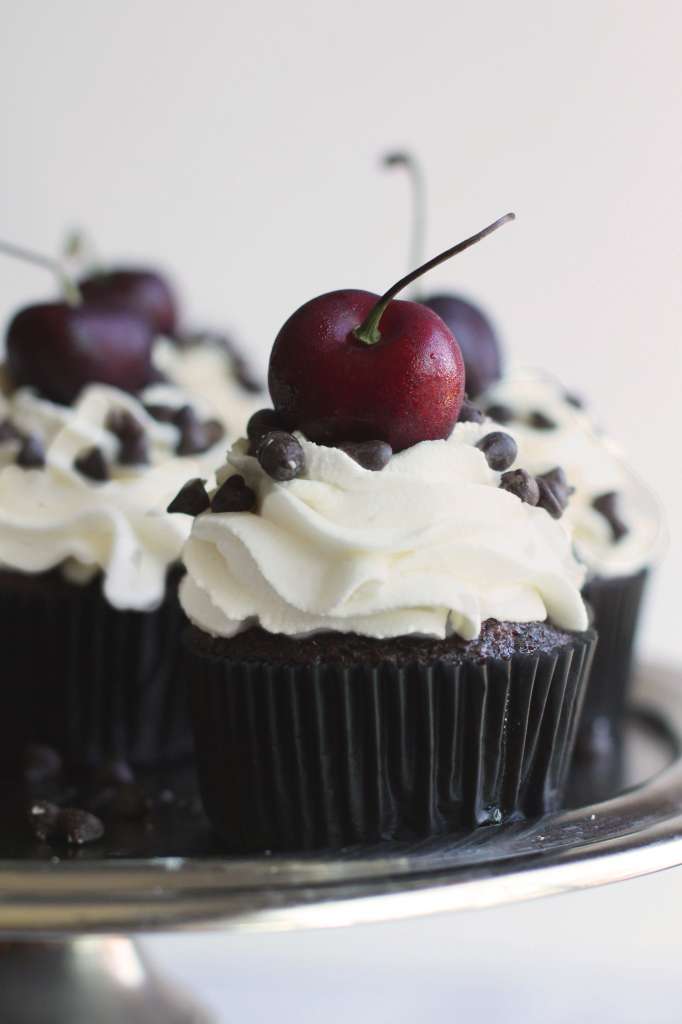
(89, 557)
(615, 522)
(388, 637)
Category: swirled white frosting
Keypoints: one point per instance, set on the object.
(205, 372)
(594, 465)
(55, 516)
(430, 545)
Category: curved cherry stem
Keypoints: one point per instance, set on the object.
(67, 284)
(415, 174)
(368, 331)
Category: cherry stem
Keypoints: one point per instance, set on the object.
(78, 249)
(66, 282)
(418, 188)
(368, 331)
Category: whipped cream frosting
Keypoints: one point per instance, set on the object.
(55, 516)
(206, 373)
(594, 465)
(430, 545)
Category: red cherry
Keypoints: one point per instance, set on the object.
(142, 292)
(350, 366)
(58, 349)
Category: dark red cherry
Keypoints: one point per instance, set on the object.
(58, 349)
(352, 366)
(142, 292)
(476, 338)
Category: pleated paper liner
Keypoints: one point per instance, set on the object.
(295, 757)
(90, 681)
(616, 604)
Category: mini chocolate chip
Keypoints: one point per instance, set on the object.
(540, 421)
(192, 499)
(92, 464)
(499, 449)
(185, 416)
(607, 504)
(42, 819)
(500, 413)
(470, 413)
(41, 763)
(124, 425)
(233, 496)
(77, 826)
(281, 455)
(214, 431)
(262, 422)
(194, 437)
(549, 499)
(556, 478)
(372, 455)
(162, 413)
(32, 453)
(575, 400)
(133, 451)
(8, 432)
(522, 484)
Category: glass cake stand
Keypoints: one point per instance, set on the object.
(66, 920)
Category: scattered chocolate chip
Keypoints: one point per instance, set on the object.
(262, 422)
(540, 421)
(162, 413)
(32, 453)
(522, 484)
(372, 455)
(556, 478)
(281, 455)
(500, 413)
(42, 819)
(123, 424)
(92, 464)
(214, 431)
(575, 400)
(499, 449)
(77, 826)
(607, 504)
(134, 451)
(233, 496)
(194, 437)
(41, 764)
(8, 432)
(470, 413)
(192, 499)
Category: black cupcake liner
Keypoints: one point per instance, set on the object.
(92, 682)
(294, 757)
(616, 604)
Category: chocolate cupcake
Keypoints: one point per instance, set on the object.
(616, 524)
(387, 652)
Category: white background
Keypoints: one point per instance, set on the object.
(237, 143)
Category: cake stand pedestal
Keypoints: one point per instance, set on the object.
(63, 914)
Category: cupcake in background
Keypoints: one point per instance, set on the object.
(616, 525)
(388, 636)
(89, 557)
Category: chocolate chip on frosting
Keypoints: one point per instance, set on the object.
(196, 436)
(92, 464)
(470, 413)
(499, 449)
(192, 499)
(574, 400)
(541, 421)
(372, 455)
(554, 491)
(500, 413)
(233, 496)
(281, 455)
(262, 422)
(32, 453)
(607, 504)
(134, 451)
(522, 484)
(123, 424)
(162, 413)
